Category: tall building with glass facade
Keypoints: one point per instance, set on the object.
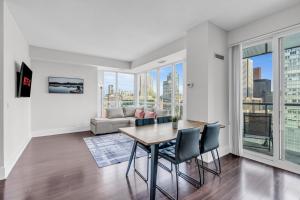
(167, 92)
(247, 78)
(292, 99)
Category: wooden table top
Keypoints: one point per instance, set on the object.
(159, 133)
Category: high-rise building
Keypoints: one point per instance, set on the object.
(167, 89)
(247, 77)
(262, 89)
(110, 89)
(292, 97)
(256, 73)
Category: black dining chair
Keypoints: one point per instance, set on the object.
(143, 122)
(209, 142)
(164, 119)
(186, 148)
(161, 120)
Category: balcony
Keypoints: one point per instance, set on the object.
(258, 129)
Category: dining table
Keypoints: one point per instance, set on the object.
(153, 135)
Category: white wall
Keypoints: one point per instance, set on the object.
(208, 99)
(62, 113)
(171, 48)
(281, 20)
(218, 83)
(197, 72)
(17, 113)
(52, 55)
(2, 171)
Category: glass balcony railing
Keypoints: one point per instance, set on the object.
(257, 127)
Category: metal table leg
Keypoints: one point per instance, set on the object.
(131, 156)
(153, 175)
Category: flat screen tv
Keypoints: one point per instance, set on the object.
(24, 81)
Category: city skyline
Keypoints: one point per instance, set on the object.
(265, 62)
(127, 82)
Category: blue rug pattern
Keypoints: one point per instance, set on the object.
(111, 149)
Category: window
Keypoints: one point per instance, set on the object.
(270, 93)
(290, 54)
(110, 95)
(141, 89)
(166, 89)
(162, 88)
(178, 79)
(151, 89)
(118, 89)
(126, 89)
(258, 98)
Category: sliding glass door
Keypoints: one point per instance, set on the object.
(290, 98)
(257, 91)
(270, 93)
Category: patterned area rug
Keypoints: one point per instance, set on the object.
(111, 149)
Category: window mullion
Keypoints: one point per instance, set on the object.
(117, 90)
(173, 90)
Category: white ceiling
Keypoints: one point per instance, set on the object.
(128, 29)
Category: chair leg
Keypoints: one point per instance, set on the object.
(218, 167)
(165, 167)
(148, 157)
(214, 159)
(176, 172)
(197, 162)
(202, 164)
(134, 160)
(219, 161)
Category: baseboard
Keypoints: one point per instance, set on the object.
(11, 165)
(59, 131)
(2, 173)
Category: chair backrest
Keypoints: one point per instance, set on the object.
(164, 119)
(145, 121)
(187, 144)
(209, 137)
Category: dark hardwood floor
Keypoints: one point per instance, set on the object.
(61, 167)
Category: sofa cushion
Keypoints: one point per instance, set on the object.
(129, 111)
(114, 113)
(131, 120)
(119, 121)
(95, 121)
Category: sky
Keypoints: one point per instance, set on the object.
(265, 62)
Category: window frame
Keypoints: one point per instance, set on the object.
(278, 81)
(158, 70)
(118, 105)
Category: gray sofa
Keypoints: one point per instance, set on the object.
(117, 118)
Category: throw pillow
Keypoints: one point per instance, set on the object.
(129, 111)
(139, 114)
(149, 114)
(114, 113)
